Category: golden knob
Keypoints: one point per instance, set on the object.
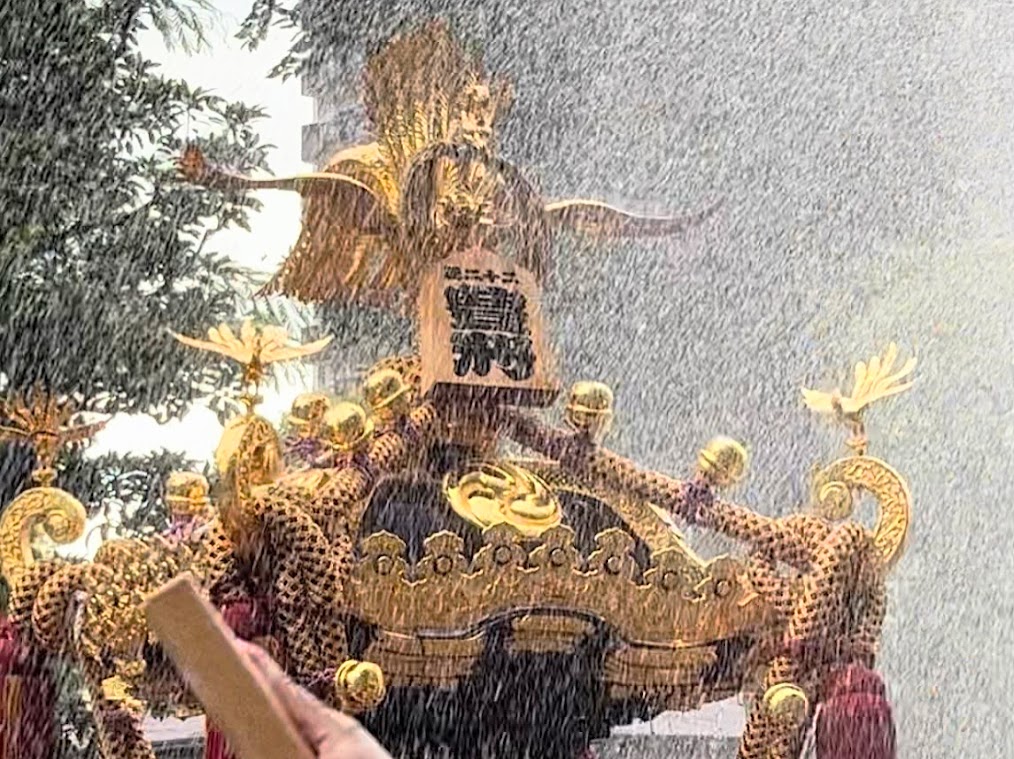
(307, 412)
(186, 493)
(348, 426)
(787, 701)
(360, 685)
(723, 461)
(590, 409)
(387, 394)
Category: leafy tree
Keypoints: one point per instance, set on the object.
(102, 249)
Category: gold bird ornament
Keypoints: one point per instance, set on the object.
(378, 214)
(872, 381)
(254, 348)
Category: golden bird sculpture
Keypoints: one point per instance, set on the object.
(873, 381)
(254, 348)
(429, 185)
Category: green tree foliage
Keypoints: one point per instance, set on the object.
(102, 249)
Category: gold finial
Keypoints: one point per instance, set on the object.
(360, 685)
(254, 348)
(723, 461)
(590, 409)
(787, 701)
(307, 413)
(186, 494)
(43, 421)
(387, 395)
(872, 382)
(348, 426)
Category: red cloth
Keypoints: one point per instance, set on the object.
(855, 720)
(215, 746)
(248, 618)
(27, 700)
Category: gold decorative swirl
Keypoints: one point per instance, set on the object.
(835, 485)
(59, 513)
(504, 493)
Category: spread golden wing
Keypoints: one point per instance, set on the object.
(332, 260)
(598, 219)
(348, 201)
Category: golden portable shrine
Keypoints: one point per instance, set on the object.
(399, 562)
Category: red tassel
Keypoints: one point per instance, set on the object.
(855, 721)
(27, 700)
(248, 618)
(215, 746)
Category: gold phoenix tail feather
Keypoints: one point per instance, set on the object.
(599, 219)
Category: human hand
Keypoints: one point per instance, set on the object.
(328, 733)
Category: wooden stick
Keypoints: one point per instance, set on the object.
(235, 696)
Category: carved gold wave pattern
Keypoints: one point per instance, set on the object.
(835, 489)
(60, 515)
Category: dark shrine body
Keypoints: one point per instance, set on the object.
(513, 702)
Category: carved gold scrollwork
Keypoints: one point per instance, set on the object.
(384, 556)
(680, 601)
(834, 489)
(443, 556)
(613, 555)
(495, 493)
(59, 513)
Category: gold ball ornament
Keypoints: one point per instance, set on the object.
(307, 412)
(348, 426)
(387, 394)
(186, 493)
(360, 684)
(723, 461)
(589, 409)
(787, 701)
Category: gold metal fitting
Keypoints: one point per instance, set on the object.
(348, 426)
(387, 394)
(498, 493)
(307, 412)
(360, 685)
(723, 461)
(186, 493)
(787, 701)
(590, 409)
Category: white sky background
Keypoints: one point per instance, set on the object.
(235, 74)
